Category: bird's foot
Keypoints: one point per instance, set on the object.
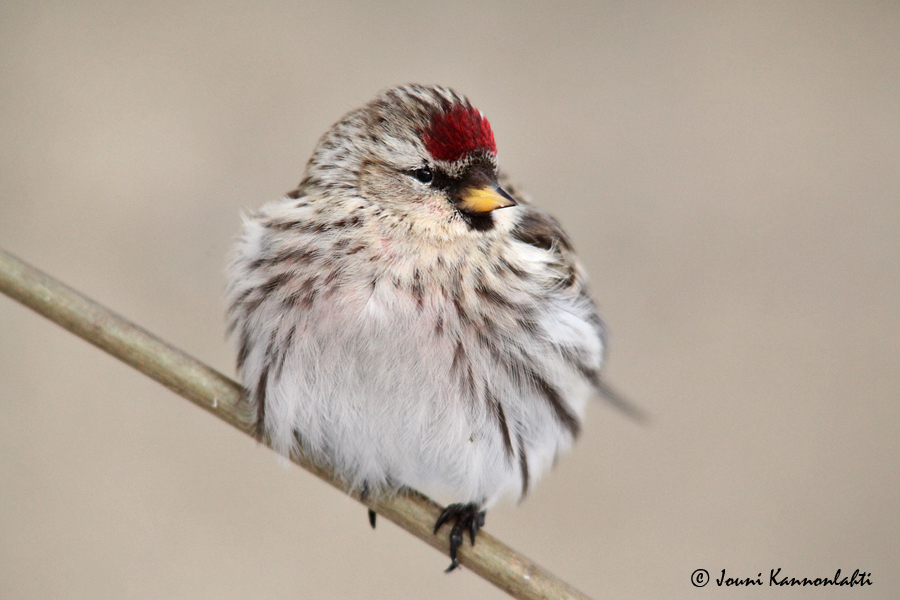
(363, 494)
(467, 517)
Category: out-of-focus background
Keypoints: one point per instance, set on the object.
(730, 175)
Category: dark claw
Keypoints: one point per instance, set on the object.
(363, 494)
(449, 512)
(466, 517)
(476, 524)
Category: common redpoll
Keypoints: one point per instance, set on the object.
(406, 320)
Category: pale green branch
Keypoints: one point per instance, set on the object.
(221, 396)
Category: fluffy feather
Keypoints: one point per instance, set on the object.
(384, 335)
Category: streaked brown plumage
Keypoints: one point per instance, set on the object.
(408, 318)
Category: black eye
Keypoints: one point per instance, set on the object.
(424, 174)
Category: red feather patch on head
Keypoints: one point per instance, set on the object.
(458, 132)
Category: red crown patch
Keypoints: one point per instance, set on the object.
(458, 132)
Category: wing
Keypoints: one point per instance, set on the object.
(539, 229)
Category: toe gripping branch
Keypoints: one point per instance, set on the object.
(468, 517)
(363, 494)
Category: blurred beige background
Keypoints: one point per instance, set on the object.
(731, 178)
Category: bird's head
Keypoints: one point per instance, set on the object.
(421, 154)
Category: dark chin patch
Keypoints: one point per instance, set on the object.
(478, 221)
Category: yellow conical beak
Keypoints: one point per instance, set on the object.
(485, 199)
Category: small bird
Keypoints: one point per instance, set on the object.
(408, 318)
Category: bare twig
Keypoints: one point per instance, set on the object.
(221, 396)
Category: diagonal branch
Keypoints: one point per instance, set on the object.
(223, 397)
